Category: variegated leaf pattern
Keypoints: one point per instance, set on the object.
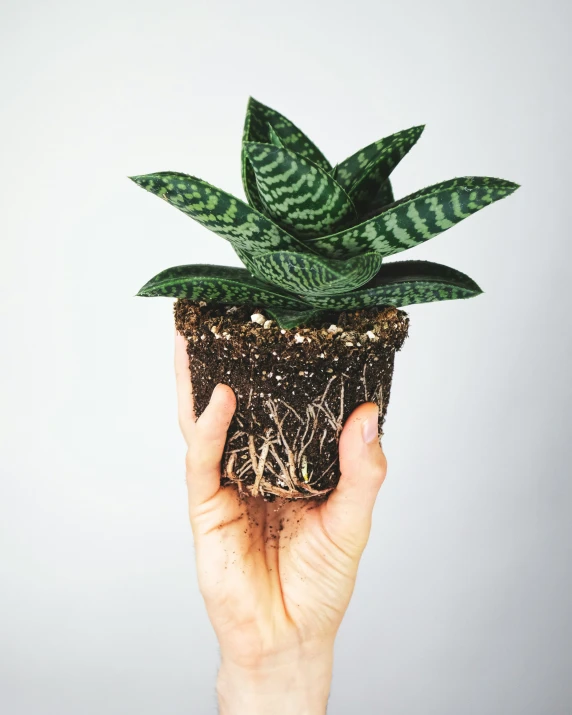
(289, 319)
(247, 229)
(310, 275)
(258, 116)
(219, 284)
(364, 172)
(299, 195)
(415, 218)
(404, 283)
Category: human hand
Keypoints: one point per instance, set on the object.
(276, 577)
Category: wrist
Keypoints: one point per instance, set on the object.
(296, 681)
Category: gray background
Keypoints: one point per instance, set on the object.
(462, 602)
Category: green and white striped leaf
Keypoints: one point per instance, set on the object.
(297, 194)
(249, 231)
(218, 284)
(289, 319)
(364, 172)
(258, 116)
(404, 283)
(415, 218)
(311, 275)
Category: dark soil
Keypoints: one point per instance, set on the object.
(294, 388)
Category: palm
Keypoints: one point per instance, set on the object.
(275, 564)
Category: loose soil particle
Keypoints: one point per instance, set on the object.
(294, 388)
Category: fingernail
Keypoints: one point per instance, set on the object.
(369, 429)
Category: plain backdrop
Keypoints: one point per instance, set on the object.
(462, 603)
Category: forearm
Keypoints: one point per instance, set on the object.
(299, 684)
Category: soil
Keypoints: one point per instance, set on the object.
(294, 388)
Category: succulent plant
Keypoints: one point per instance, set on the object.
(313, 236)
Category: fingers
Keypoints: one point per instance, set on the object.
(363, 467)
(184, 389)
(207, 445)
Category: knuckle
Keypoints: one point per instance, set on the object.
(379, 470)
(200, 461)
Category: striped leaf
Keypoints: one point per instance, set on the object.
(311, 275)
(415, 218)
(299, 195)
(364, 172)
(289, 319)
(218, 284)
(404, 283)
(247, 230)
(258, 116)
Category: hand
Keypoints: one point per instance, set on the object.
(276, 577)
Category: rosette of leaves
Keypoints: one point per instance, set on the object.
(312, 236)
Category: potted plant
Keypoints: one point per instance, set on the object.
(309, 327)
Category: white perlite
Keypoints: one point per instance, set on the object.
(258, 318)
(268, 324)
(299, 338)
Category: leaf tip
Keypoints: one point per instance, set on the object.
(144, 291)
(253, 102)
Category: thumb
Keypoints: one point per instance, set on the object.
(363, 467)
(207, 445)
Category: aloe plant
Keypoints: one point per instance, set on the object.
(313, 236)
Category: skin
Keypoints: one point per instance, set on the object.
(276, 577)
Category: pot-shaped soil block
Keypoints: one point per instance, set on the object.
(294, 389)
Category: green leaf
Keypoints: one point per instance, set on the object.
(415, 218)
(274, 138)
(363, 173)
(249, 231)
(289, 319)
(218, 284)
(299, 195)
(383, 198)
(258, 116)
(311, 275)
(404, 283)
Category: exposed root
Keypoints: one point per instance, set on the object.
(276, 463)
